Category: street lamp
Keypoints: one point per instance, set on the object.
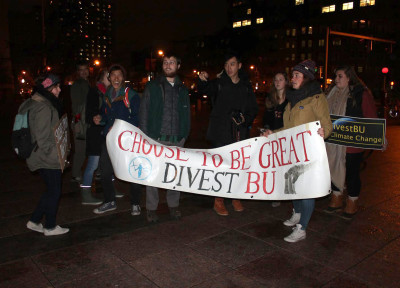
(96, 62)
(160, 53)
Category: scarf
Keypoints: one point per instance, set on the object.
(308, 90)
(102, 88)
(54, 101)
(337, 101)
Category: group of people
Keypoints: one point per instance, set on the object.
(163, 114)
(302, 101)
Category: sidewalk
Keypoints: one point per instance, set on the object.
(202, 250)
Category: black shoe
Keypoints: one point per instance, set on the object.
(76, 179)
(331, 210)
(152, 216)
(347, 216)
(175, 213)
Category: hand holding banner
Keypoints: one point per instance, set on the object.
(291, 164)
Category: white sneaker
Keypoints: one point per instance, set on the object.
(297, 234)
(35, 227)
(55, 231)
(135, 210)
(295, 219)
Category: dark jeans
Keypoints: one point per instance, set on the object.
(48, 203)
(353, 165)
(353, 181)
(107, 173)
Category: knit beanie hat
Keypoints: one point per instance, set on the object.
(50, 80)
(307, 67)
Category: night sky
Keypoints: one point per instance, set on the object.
(144, 23)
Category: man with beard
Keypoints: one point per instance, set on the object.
(165, 117)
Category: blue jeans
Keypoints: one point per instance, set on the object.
(48, 203)
(306, 208)
(91, 166)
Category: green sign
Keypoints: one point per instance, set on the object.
(366, 133)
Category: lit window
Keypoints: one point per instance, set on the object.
(362, 23)
(259, 20)
(287, 32)
(287, 44)
(310, 30)
(293, 45)
(337, 42)
(299, 2)
(347, 6)
(293, 32)
(237, 24)
(360, 69)
(321, 42)
(246, 22)
(364, 3)
(249, 11)
(303, 30)
(327, 9)
(293, 57)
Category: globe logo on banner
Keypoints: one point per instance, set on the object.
(140, 168)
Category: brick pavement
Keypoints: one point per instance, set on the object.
(203, 249)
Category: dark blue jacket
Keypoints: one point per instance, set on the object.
(118, 109)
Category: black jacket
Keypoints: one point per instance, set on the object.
(227, 98)
(94, 139)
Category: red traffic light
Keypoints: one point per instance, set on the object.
(385, 70)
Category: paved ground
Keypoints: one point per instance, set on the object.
(203, 249)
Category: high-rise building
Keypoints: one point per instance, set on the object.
(281, 33)
(79, 30)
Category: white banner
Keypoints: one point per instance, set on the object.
(291, 164)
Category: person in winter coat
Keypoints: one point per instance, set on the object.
(94, 139)
(234, 108)
(79, 91)
(347, 96)
(306, 104)
(123, 103)
(165, 117)
(275, 104)
(45, 110)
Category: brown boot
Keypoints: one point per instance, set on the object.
(336, 203)
(219, 207)
(237, 206)
(351, 208)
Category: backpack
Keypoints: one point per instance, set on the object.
(21, 139)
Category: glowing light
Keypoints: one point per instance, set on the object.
(385, 70)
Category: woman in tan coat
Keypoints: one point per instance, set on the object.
(306, 104)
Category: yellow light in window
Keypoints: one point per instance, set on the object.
(259, 20)
(347, 6)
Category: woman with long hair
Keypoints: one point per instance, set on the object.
(306, 104)
(347, 96)
(94, 139)
(275, 104)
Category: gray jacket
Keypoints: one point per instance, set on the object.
(43, 117)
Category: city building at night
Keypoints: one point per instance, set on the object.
(79, 31)
(277, 34)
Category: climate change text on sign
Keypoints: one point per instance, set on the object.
(367, 133)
